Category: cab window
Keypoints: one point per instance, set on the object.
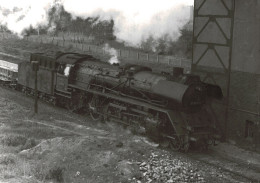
(64, 69)
(61, 68)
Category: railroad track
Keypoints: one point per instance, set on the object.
(70, 125)
(80, 130)
(234, 167)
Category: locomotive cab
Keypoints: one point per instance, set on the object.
(66, 63)
(63, 74)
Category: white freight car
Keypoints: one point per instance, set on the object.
(8, 72)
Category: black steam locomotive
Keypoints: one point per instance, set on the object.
(169, 107)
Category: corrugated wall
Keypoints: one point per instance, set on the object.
(226, 51)
(246, 42)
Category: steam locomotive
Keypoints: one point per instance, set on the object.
(170, 107)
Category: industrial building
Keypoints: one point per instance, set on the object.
(226, 51)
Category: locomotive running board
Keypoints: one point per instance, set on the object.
(131, 101)
(63, 93)
(174, 116)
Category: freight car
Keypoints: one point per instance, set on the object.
(173, 108)
(8, 73)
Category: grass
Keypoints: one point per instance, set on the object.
(30, 143)
(33, 131)
(49, 171)
(12, 165)
(7, 159)
(13, 140)
(15, 143)
(18, 135)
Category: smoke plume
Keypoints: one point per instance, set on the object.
(134, 20)
(18, 15)
(113, 53)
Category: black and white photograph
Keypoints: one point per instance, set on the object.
(133, 91)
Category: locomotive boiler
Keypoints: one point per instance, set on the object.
(172, 108)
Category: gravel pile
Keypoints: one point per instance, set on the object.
(167, 169)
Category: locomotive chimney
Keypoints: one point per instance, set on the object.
(177, 71)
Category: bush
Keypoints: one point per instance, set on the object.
(48, 171)
(29, 144)
(7, 159)
(164, 45)
(13, 140)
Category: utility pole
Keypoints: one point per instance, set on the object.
(35, 68)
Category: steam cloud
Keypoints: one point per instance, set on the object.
(134, 20)
(18, 15)
(113, 53)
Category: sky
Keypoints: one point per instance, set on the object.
(134, 19)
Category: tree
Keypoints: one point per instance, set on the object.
(148, 45)
(65, 20)
(186, 39)
(163, 44)
(183, 46)
(3, 28)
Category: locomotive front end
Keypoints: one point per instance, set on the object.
(188, 97)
